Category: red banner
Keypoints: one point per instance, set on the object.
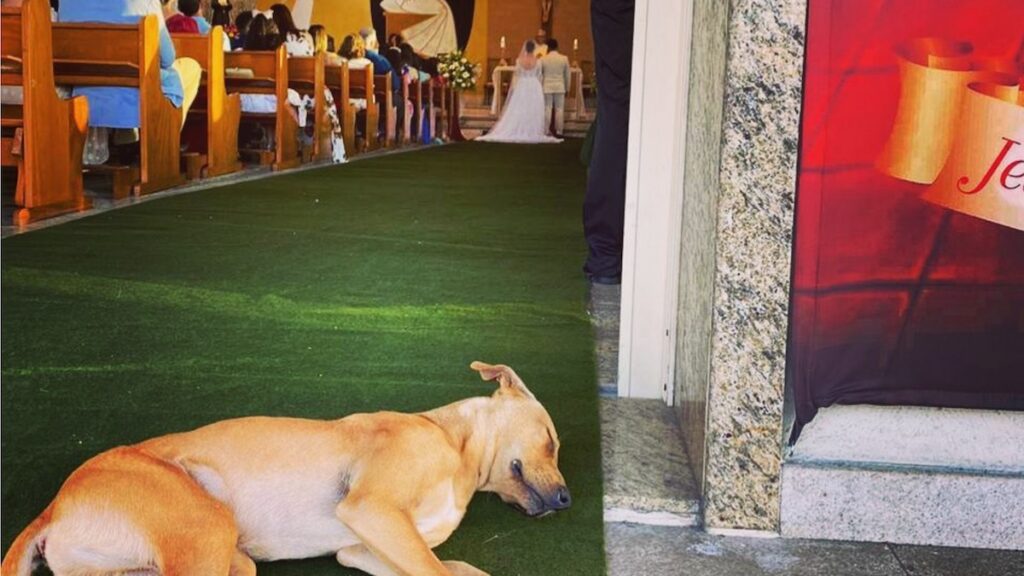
(909, 261)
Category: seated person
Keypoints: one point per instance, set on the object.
(296, 42)
(115, 107)
(263, 36)
(190, 8)
(414, 62)
(177, 22)
(380, 63)
(394, 56)
(324, 44)
(242, 23)
(222, 17)
(354, 52)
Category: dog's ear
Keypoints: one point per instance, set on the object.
(510, 382)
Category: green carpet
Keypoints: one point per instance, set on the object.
(347, 289)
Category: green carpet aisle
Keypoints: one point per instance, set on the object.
(355, 288)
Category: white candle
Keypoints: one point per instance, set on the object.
(502, 41)
(575, 43)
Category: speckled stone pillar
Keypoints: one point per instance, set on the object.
(743, 129)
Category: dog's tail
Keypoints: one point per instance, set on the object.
(27, 549)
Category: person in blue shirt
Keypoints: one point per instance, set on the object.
(119, 107)
(190, 8)
(380, 63)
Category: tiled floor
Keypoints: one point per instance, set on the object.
(669, 551)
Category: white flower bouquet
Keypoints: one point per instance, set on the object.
(460, 73)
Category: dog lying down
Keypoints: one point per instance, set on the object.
(377, 491)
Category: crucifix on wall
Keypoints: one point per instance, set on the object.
(546, 8)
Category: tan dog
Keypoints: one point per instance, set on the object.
(378, 491)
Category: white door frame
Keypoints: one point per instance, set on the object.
(654, 196)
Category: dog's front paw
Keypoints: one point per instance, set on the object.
(458, 568)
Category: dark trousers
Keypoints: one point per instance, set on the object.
(604, 205)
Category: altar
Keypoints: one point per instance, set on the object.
(575, 103)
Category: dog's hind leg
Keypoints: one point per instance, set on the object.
(242, 565)
(458, 568)
(360, 558)
(211, 551)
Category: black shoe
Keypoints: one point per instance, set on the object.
(605, 280)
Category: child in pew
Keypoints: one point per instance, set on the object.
(190, 8)
(263, 36)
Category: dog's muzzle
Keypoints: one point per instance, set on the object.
(560, 499)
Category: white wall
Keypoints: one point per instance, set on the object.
(654, 185)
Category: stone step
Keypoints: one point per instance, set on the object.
(647, 476)
(907, 475)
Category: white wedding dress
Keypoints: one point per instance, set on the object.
(522, 121)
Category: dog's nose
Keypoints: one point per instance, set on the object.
(561, 499)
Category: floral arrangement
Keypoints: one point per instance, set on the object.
(460, 73)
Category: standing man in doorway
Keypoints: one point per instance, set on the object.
(605, 202)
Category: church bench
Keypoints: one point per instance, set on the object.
(406, 105)
(439, 93)
(336, 77)
(306, 76)
(126, 55)
(417, 89)
(253, 72)
(211, 128)
(44, 135)
(362, 85)
(431, 108)
(385, 99)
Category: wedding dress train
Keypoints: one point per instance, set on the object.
(523, 121)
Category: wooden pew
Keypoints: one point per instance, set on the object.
(125, 55)
(306, 76)
(268, 74)
(416, 93)
(45, 135)
(362, 85)
(407, 110)
(439, 93)
(336, 77)
(385, 99)
(215, 115)
(431, 108)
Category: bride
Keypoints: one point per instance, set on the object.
(523, 119)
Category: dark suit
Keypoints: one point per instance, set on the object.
(604, 205)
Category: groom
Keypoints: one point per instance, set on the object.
(556, 83)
